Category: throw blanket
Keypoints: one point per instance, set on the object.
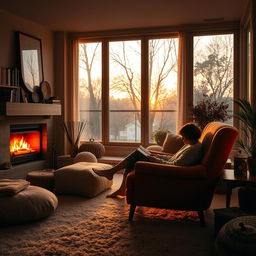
(10, 187)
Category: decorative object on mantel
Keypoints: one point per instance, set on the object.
(73, 131)
(248, 117)
(209, 110)
(54, 100)
(24, 96)
(94, 147)
(46, 90)
(36, 94)
(30, 61)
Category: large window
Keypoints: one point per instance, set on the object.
(213, 69)
(128, 86)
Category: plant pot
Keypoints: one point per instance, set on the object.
(252, 165)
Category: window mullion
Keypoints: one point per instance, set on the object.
(144, 93)
(105, 91)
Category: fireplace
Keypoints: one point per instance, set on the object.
(25, 143)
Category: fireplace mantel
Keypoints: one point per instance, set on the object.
(9, 109)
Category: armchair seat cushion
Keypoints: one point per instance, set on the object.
(80, 179)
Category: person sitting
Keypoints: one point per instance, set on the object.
(189, 154)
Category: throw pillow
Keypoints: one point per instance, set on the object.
(172, 143)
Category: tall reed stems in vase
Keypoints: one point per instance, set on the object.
(73, 131)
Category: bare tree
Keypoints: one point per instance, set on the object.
(168, 62)
(92, 87)
(128, 81)
(213, 69)
(159, 70)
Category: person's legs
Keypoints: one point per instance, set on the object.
(129, 160)
(121, 191)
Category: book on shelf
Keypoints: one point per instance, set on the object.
(9, 76)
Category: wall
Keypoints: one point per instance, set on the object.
(9, 53)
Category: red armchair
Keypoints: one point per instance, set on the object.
(183, 188)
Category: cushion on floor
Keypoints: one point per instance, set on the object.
(80, 179)
(32, 203)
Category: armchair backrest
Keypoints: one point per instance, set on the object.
(217, 139)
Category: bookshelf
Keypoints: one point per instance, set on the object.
(9, 85)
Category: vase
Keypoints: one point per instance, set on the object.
(252, 165)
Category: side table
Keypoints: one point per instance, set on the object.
(232, 181)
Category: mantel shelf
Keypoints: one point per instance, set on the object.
(30, 109)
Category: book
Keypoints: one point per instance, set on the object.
(143, 151)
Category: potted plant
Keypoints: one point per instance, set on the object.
(208, 110)
(159, 136)
(248, 117)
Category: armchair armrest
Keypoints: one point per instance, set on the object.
(164, 170)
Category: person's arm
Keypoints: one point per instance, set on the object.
(189, 156)
(159, 159)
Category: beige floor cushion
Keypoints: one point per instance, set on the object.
(80, 179)
(32, 203)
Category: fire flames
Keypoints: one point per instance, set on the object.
(19, 146)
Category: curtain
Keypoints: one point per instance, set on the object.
(72, 104)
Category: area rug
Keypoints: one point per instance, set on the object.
(99, 226)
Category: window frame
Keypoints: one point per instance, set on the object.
(144, 35)
(144, 86)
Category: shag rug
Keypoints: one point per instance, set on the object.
(99, 226)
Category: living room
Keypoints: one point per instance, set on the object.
(119, 39)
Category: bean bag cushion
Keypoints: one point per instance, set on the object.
(32, 203)
(80, 179)
(85, 157)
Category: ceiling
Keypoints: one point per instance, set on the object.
(85, 15)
